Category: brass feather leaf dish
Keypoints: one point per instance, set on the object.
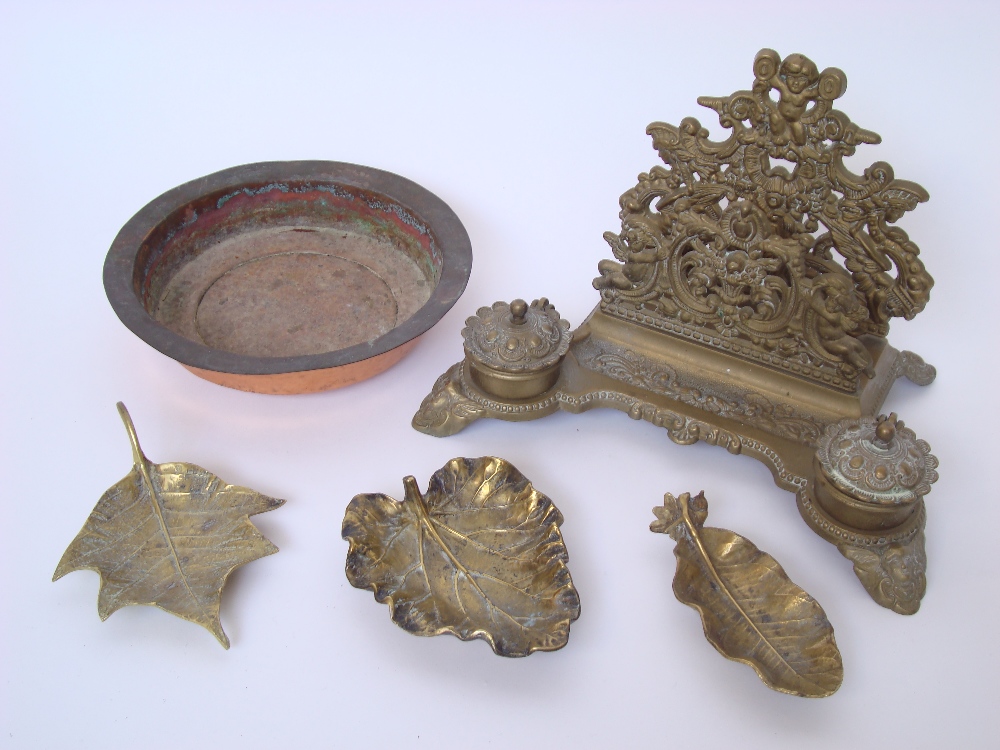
(750, 610)
(479, 556)
(168, 535)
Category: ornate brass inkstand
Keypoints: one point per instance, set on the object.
(728, 317)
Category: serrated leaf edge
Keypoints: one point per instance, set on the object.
(141, 462)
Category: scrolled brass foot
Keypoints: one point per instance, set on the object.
(446, 410)
(916, 370)
(893, 574)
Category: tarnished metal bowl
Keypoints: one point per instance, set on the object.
(288, 277)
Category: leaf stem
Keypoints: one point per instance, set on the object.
(710, 564)
(412, 494)
(138, 457)
(696, 539)
(142, 463)
(411, 490)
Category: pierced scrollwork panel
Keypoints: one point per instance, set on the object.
(738, 240)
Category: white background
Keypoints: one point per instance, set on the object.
(528, 119)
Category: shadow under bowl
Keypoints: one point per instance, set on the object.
(288, 277)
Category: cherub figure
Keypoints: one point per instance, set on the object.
(840, 313)
(639, 250)
(797, 82)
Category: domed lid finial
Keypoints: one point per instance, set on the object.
(517, 337)
(878, 461)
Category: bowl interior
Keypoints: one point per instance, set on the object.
(287, 269)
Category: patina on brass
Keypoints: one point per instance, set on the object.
(871, 476)
(750, 610)
(748, 303)
(479, 555)
(288, 277)
(168, 535)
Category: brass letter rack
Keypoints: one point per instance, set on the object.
(728, 316)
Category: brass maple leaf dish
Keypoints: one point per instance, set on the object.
(168, 535)
(288, 277)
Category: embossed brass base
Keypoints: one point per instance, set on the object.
(672, 384)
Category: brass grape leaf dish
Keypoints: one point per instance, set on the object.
(479, 556)
(750, 610)
(168, 535)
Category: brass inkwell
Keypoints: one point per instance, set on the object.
(747, 306)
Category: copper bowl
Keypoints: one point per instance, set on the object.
(288, 277)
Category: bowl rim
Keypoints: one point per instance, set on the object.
(450, 237)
